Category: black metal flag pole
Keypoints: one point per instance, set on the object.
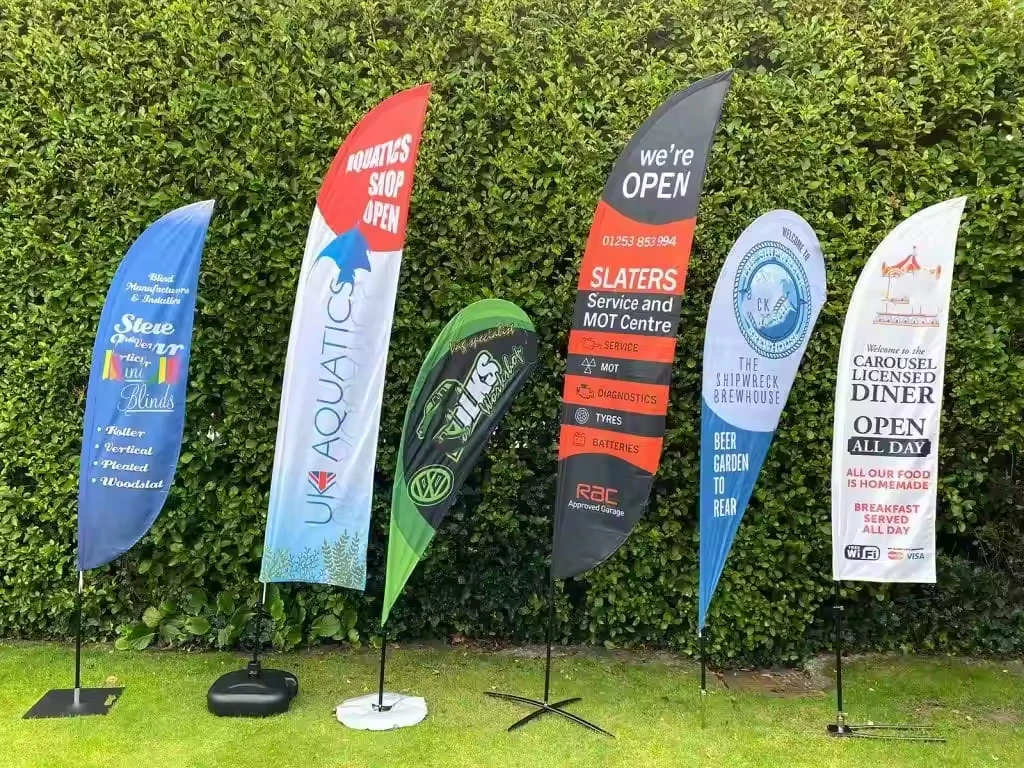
(253, 668)
(260, 608)
(839, 728)
(380, 707)
(548, 636)
(546, 706)
(872, 731)
(703, 677)
(78, 637)
(77, 701)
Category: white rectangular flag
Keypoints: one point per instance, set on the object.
(888, 401)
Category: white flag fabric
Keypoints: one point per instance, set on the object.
(322, 484)
(888, 403)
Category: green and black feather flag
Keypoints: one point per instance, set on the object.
(470, 377)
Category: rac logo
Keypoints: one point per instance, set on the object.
(598, 494)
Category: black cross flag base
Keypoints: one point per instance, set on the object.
(74, 702)
(544, 708)
(924, 733)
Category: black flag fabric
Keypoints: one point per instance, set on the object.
(623, 336)
(470, 377)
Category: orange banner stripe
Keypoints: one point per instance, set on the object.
(642, 452)
(630, 256)
(628, 396)
(625, 346)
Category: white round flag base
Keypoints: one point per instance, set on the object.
(400, 711)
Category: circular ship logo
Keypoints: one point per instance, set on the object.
(772, 300)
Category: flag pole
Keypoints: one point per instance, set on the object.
(78, 638)
(379, 706)
(550, 633)
(76, 701)
(544, 707)
(380, 681)
(703, 676)
(837, 614)
(257, 643)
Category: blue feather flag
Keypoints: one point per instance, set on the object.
(135, 406)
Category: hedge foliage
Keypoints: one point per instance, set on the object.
(854, 113)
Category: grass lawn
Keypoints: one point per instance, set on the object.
(650, 703)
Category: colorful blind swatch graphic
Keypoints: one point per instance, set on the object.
(112, 368)
(167, 371)
(161, 370)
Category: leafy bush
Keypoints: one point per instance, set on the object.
(854, 113)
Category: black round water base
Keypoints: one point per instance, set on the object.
(244, 694)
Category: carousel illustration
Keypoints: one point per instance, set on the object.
(898, 309)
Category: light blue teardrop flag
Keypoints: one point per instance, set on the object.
(765, 304)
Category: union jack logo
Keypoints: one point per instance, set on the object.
(322, 481)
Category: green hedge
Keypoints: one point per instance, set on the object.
(855, 113)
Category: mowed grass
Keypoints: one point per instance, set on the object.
(651, 705)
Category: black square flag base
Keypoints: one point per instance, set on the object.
(74, 702)
(544, 708)
(888, 732)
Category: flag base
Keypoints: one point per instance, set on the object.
(545, 708)
(252, 692)
(77, 701)
(842, 729)
(924, 733)
(74, 702)
(365, 713)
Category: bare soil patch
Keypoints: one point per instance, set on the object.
(776, 682)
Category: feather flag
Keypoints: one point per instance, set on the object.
(317, 529)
